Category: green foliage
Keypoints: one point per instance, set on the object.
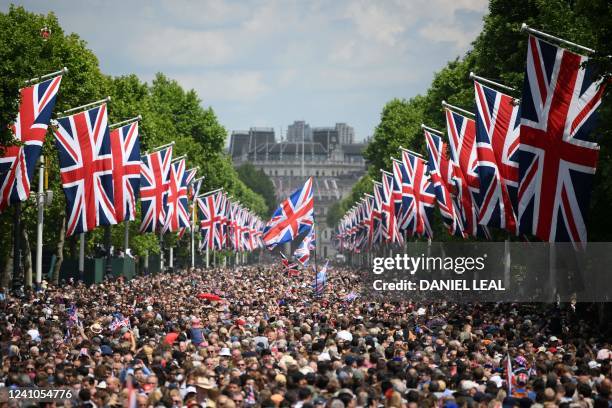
(258, 181)
(169, 113)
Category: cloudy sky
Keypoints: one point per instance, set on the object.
(269, 62)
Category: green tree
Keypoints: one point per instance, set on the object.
(258, 181)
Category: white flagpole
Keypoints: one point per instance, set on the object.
(42, 77)
(87, 105)
(457, 109)
(525, 27)
(432, 130)
(490, 82)
(39, 226)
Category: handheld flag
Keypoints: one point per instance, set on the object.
(294, 216)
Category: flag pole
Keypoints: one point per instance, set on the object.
(412, 152)
(40, 202)
(158, 148)
(490, 82)
(432, 130)
(537, 33)
(457, 109)
(126, 122)
(87, 105)
(46, 76)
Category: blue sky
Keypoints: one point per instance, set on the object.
(269, 62)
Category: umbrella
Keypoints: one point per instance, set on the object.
(209, 296)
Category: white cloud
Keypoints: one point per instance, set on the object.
(172, 46)
(377, 20)
(235, 86)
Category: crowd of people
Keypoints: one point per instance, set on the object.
(252, 336)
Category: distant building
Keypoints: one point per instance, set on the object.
(329, 154)
(298, 130)
(243, 141)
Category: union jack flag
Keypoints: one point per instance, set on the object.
(405, 216)
(86, 167)
(289, 268)
(389, 208)
(371, 219)
(154, 184)
(462, 138)
(378, 214)
(177, 213)
(221, 203)
(557, 155)
(18, 163)
(125, 147)
(302, 253)
(210, 221)
(497, 142)
(441, 172)
(294, 216)
(422, 193)
(189, 182)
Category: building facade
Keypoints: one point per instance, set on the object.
(334, 166)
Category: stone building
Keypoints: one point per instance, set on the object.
(330, 155)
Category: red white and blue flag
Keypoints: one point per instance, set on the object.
(293, 217)
(125, 147)
(462, 138)
(86, 168)
(19, 161)
(378, 214)
(154, 184)
(177, 206)
(391, 202)
(405, 217)
(441, 171)
(497, 143)
(302, 252)
(210, 221)
(557, 155)
(422, 194)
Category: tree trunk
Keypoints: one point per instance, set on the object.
(27, 260)
(5, 278)
(59, 252)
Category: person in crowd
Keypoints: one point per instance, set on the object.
(251, 336)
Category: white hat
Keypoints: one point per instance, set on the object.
(594, 364)
(553, 338)
(101, 385)
(225, 352)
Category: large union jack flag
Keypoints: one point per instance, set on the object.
(441, 172)
(154, 184)
(125, 147)
(294, 216)
(177, 211)
(391, 197)
(18, 162)
(210, 221)
(497, 141)
(422, 194)
(86, 167)
(557, 155)
(462, 138)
